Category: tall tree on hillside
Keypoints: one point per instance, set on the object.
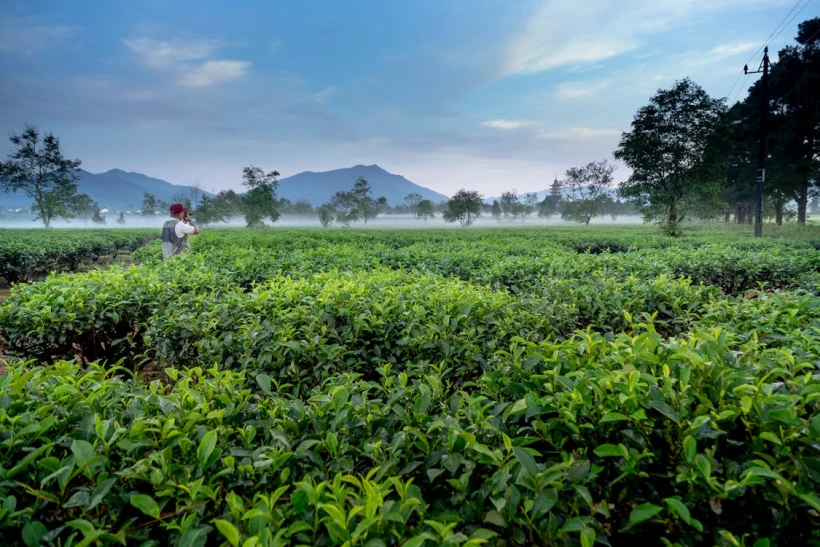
(587, 187)
(672, 152)
(150, 204)
(464, 207)
(38, 169)
(260, 203)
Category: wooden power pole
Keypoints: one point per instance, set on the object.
(761, 150)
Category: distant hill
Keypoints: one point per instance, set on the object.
(318, 188)
(114, 189)
(119, 190)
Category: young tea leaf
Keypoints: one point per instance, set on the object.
(146, 504)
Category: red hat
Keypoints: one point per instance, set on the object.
(177, 208)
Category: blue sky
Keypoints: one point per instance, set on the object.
(480, 94)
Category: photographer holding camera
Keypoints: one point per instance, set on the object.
(176, 230)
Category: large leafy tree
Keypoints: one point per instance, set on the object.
(673, 153)
(38, 169)
(509, 201)
(794, 144)
(327, 214)
(526, 205)
(412, 201)
(345, 206)
(587, 187)
(495, 210)
(425, 209)
(260, 202)
(87, 209)
(367, 207)
(464, 207)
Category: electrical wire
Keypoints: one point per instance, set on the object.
(765, 43)
(792, 19)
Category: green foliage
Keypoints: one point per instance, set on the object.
(495, 210)
(464, 207)
(326, 215)
(357, 204)
(150, 204)
(259, 202)
(501, 387)
(87, 209)
(587, 191)
(674, 154)
(425, 209)
(24, 254)
(38, 169)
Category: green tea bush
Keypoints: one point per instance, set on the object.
(25, 253)
(365, 387)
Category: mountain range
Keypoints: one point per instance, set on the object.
(318, 188)
(120, 190)
(115, 189)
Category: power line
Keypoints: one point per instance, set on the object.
(767, 41)
(792, 19)
(816, 32)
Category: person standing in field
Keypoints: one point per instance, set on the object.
(176, 230)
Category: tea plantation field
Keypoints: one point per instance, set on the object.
(542, 386)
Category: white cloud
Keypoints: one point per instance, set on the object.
(579, 134)
(213, 72)
(732, 49)
(27, 36)
(578, 90)
(189, 61)
(560, 33)
(507, 125)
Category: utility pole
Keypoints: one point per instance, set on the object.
(761, 151)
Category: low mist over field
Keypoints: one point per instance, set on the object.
(294, 221)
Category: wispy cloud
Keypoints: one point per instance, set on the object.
(732, 49)
(213, 72)
(322, 95)
(578, 90)
(573, 34)
(29, 36)
(579, 134)
(507, 125)
(190, 61)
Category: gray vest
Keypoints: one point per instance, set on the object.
(171, 244)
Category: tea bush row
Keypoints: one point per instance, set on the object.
(25, 253)
(700, 439)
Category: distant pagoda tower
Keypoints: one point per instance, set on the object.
(555, 190)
